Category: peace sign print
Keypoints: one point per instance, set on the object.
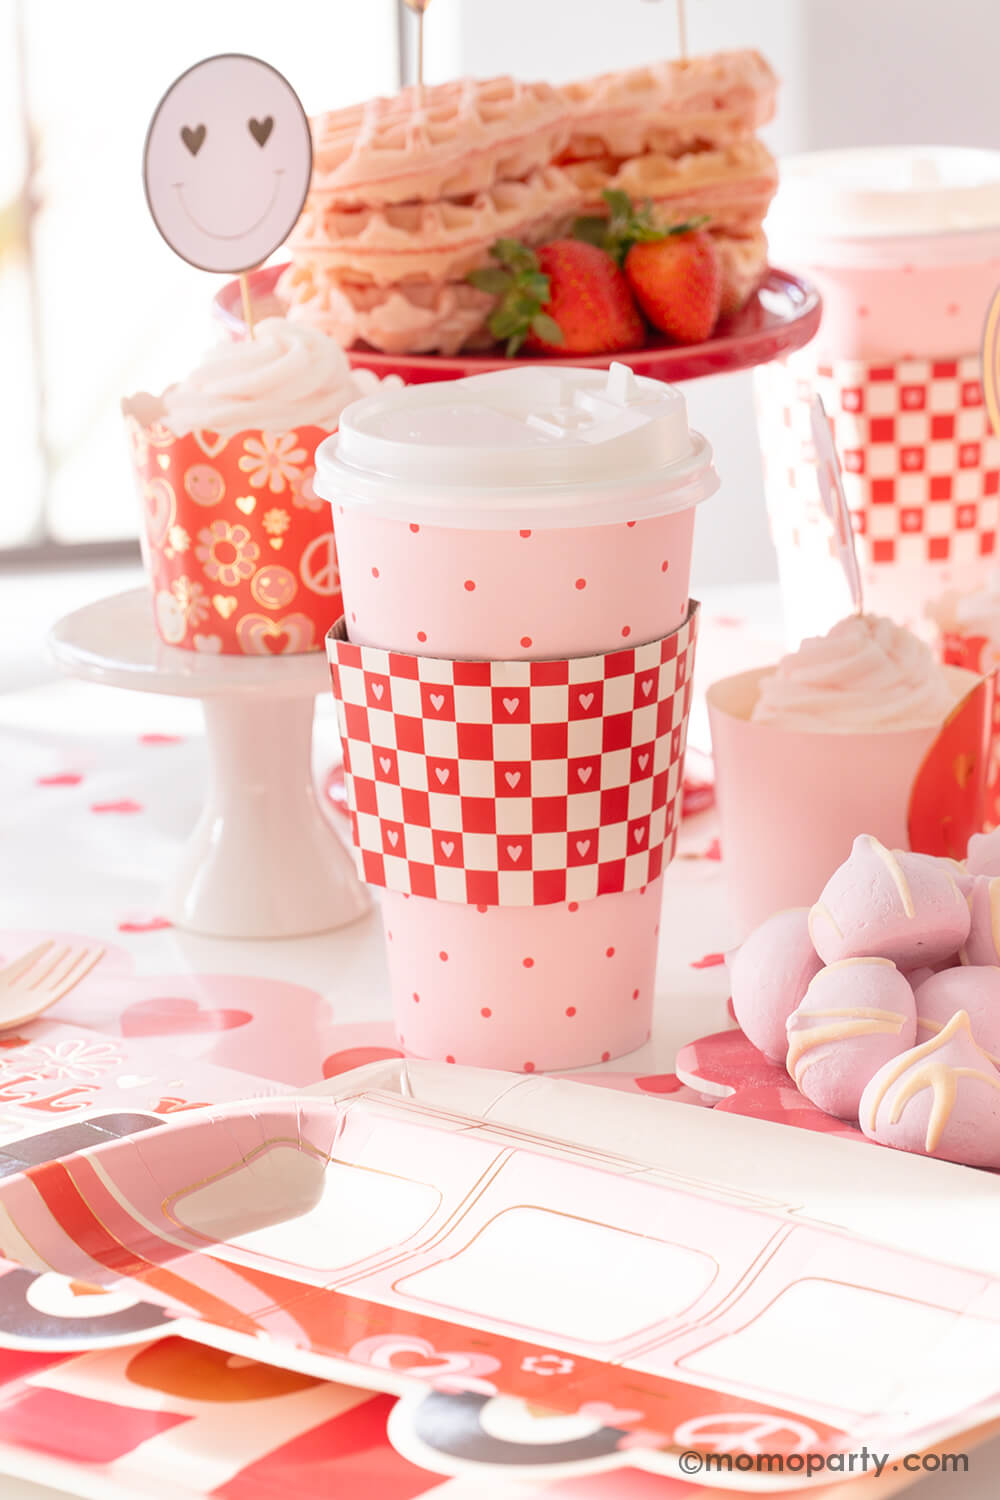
(318, 569)
(227, 162)
(747, 1432)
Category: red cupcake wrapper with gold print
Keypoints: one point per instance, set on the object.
(239, 547)
(514, 783)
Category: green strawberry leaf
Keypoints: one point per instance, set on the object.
(522, 290)
(592, 229)
(534, 284)
(546, 328)
(514, 255)
(688, 226)
(619, 203)
(505, 321)
(491, 279)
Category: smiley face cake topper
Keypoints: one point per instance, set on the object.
(227, 162)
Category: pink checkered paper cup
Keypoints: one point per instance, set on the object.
(529, 515)
(791, 802)
(904, 246)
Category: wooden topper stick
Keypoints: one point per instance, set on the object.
(682, 31)
(247, 304)
(419, 7)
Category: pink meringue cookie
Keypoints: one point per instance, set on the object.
(883, 903)
(976, 990)
(769, 974)
(941, 1098)
(983, 857)
(955, 868)
(856, 1015)
(916, 977)
(982, 945)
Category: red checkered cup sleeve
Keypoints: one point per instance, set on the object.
(514, 783)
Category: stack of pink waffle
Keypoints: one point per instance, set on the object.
(409, 193)
(681, 134)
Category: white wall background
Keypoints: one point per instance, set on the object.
(855, 72)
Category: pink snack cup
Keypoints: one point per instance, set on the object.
(791, 802)
(904, 246)
(524, 515)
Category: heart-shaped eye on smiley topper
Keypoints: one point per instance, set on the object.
(227, 163)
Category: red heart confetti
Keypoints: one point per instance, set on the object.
(123, 805)
(356, 1057)
(144, 924)
(710, 961)
(659, 1083)
(64, 778)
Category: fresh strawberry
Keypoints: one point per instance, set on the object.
(678, 284)
(569, 297)
(673, 270)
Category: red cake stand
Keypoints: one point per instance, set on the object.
(782, 315)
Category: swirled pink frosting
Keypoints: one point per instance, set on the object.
(868, 673)
(288, 375)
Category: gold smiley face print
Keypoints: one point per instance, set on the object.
(204, 484)
(227, 162)
(273, 587)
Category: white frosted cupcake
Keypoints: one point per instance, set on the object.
(238, 545)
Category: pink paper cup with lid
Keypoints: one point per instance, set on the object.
(904, 246)
(529, 516)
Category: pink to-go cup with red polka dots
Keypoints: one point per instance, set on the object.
(528, 515)
(903, 243)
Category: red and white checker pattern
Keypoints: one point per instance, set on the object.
(514, 783)
(921, 464)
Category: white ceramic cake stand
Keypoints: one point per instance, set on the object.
(263, 861)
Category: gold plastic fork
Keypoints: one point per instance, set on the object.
(38, 979)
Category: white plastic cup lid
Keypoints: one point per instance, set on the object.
(876, 193)
(549, 447)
